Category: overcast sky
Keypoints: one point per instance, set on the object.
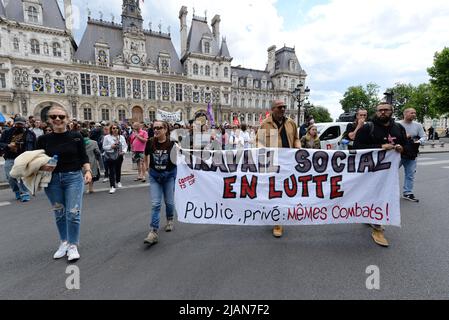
(339, 43)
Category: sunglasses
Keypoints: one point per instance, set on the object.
(158, 128)
(115, 128)
(56, 116)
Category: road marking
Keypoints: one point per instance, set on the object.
(135, 186)
(445, 167)
(3, 204)
(423, 159)
(431, 163)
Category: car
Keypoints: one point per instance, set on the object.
(330, 134)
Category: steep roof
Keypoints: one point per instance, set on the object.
(2, 10)
(112, 35)
(224, 51)
(256, 74)
(52, 15)
(283, 57)
(198, 29)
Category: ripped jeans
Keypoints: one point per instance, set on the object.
(65, 192)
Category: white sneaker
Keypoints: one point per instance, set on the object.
(72, 253)
(119, 185)
(105, 180)
(112, 190)
(62, 250)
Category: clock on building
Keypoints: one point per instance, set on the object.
(135, 59)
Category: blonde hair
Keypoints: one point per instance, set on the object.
(59, 108)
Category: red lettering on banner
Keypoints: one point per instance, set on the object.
(305, 183)
(273, 192)
(335, 187)
(228, 192)
(248, 190)
(319, 185)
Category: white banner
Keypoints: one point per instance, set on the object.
(288, 187)
(168, 116)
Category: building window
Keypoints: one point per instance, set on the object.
(152, 90)
(264, 104)
(35, 47)
(257, 104)
(165, 91)
(234, 102)
(207, 97)
(104, 86)
(102, 58)
(207, 71)
(56, 49)
(38, 84)
(33, 15)
(121, 115)
(152, 115)
(196, 97)
(87, 113)
(2, 81)
(195, 69)
(137, 90)
(105, 114)
(178, 92)
(16, 44)
(226, 97)
(242, 103)
(121, 89)
(59, 86)
(250, 103)
(85, 84)
(207, 47)
(226, 72)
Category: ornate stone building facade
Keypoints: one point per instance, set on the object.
(123, 71)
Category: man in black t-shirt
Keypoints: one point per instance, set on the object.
(352, 128)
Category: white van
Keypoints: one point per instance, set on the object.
(330, 133)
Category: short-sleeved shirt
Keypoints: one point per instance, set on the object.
(160, 155)
(137, 145)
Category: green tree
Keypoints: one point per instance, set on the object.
(361, 97)
(421, 101)
(439, 81)
(319, 114)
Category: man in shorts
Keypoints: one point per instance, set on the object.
(138, 140)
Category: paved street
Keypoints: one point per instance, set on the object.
(227, 262)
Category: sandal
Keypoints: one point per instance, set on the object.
(137, 179)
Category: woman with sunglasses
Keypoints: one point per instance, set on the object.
(114, 146)
(160, 159)
(65, 190)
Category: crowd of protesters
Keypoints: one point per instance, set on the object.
(84, 149)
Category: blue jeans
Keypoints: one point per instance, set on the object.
(409, 177)
(65, 192)
(162, 183)
(16, 185)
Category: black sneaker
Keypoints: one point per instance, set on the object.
(410, 197)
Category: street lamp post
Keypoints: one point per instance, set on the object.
(300, 95)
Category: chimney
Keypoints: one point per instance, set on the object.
(271, 59)
(183, 29)
(216, 27)
(68, 13)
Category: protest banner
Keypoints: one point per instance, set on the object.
(168, 116)
(288, 187)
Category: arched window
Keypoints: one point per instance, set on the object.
(195, 69)
(207, 71)
(33, 15)
(35, 48)
(56, 49)
(242, 103)
(234, 102)
(207, 47)
(226, 72)
(250, 103)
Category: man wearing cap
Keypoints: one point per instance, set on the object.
(13, 143)
(278, 131)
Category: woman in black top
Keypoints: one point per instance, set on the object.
(160, 159)
(65, 191)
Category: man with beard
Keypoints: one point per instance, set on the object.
(13, 143)
(383, 133)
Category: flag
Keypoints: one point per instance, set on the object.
(267, 114)
(236, 121)
(210, 114)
